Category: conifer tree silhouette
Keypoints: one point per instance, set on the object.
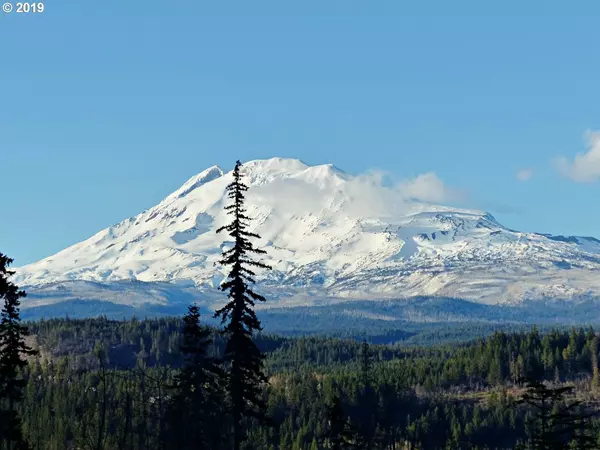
(194, 414)
(367, 401)
(245, 360)
(557, 422)
(12, 350)
(340, 434)
(594, 359)
(336, 425)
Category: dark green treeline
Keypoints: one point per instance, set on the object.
(419, 398)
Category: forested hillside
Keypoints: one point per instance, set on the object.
(389, 396)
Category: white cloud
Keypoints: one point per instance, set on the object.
(585, 168)
(428, 187)
(524, 174)
(372, 194)
(377, 185)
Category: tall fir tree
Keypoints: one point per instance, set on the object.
(336, 425)
(340, 433)
(195, 412)
(12, 351)
(594, 361)
(246, 376)
(367, 401)
(556, 421)
(366, 366)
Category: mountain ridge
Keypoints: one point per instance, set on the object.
(330, 234)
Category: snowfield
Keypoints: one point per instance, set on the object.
(328, 235)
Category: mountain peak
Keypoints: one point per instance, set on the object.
(275, 164)
(327, 230)
(206, 176)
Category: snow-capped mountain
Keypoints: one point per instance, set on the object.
(327, 234)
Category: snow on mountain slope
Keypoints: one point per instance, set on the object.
(330, 234)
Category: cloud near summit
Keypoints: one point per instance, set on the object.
(428, 187)
(585, 167)
(374, 193)
(425, 187)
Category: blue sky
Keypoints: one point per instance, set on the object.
(107, 107)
